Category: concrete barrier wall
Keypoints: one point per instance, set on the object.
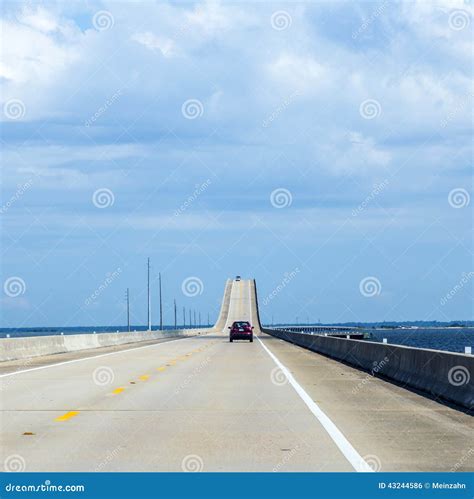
(444, 375)
(35, 346)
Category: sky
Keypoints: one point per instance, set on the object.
(322, 148)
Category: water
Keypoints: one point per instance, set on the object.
(449, 339)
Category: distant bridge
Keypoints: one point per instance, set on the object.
(336, 331)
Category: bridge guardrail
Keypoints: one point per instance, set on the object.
(36, 346)
(443, 375)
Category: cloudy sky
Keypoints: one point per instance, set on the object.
(322, 148)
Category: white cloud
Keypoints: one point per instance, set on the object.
(296, 72)
(353, 153)
(39, 19)
(153, 42)
(32, 56)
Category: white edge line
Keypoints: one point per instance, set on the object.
(88, 358)
(354, 458)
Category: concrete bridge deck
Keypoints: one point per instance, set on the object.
(202, 403)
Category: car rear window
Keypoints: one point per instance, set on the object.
(241, 324)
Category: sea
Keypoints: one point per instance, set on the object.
(450, 339)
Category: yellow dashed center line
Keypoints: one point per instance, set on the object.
(144, 377)
(67, 416)
(162, 368)
(118, 390)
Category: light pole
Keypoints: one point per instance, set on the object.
(161, 304)
(175, 316)
(149, 302)
(128, 309)
(184, 317)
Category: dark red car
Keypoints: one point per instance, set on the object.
(241, 330)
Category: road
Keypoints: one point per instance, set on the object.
(204, 404)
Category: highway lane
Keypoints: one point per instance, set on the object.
(203, 403)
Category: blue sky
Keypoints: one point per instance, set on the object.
(322, 148)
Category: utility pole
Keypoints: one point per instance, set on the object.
(128, 309)
(149, 302)
(184, 317)
(161, 304)
(175, 316)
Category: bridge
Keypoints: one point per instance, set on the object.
(197, 402)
